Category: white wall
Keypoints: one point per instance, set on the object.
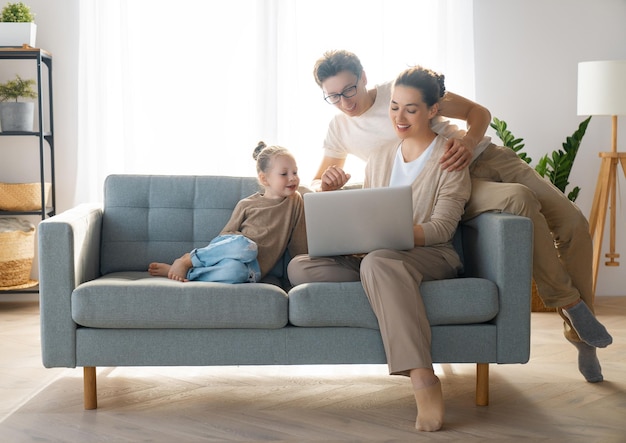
(527, 54)
(526, 69)
(57, 23)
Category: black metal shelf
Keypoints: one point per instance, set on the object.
(24, 133)
(31, 290)
(45, 131)
(49, 212)
(44, 134)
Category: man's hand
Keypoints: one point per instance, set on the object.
(457, 156)
(334, 178)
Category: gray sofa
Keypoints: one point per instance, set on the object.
(99, 306)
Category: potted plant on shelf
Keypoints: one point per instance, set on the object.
(17, 27)
(16, 115)
(555, 167)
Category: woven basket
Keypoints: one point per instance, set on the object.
(17, 250)
(22, 196)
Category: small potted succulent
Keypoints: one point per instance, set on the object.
(17, 27)
(16, 115)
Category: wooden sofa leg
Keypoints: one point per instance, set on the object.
(482, 384)
(89, 381)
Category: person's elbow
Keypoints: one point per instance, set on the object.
(482, 112)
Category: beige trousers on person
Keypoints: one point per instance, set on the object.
(391, 280)
(562, 255)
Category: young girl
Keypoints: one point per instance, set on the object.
(391, 279)
(261, 227)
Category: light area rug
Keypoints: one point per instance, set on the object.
(315, 403)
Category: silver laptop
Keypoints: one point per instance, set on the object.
(358, 221)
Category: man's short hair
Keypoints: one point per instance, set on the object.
(335, 61)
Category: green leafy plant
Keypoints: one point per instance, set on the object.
(17, 13)
(17, 88)
(557, 166)
(509, 140)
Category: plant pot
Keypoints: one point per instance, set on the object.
(17, 34)
(17, 116)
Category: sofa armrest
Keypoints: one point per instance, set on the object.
(499, 247)
(69, 254)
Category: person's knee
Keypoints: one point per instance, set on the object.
(376, 261)
(517, 199)
(368, 264)
(297, 270)
(234, 271)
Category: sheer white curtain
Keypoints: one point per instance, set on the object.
(159, 94)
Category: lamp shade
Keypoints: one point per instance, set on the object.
(602, 88)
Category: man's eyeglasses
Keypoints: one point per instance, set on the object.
(349, 92)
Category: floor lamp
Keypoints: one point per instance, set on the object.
(602, 91)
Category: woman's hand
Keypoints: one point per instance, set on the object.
(334, 178)
(458, 154)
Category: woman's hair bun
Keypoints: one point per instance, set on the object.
(259, 147)
(441, 80)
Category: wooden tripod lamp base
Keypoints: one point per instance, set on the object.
(605, 199)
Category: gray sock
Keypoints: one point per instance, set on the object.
(588, 363)
(588, 328)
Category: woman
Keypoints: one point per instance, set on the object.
(392, 279)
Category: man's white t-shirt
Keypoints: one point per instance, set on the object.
(361, 135)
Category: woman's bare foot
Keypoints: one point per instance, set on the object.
(429, 399)
(159, 269)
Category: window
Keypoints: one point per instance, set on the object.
(162, 95)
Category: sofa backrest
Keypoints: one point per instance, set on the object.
(158, 218)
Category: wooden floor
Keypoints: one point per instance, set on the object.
(544, 400)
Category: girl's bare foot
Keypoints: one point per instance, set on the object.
(159, 269)
(178, 270)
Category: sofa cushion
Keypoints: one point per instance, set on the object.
(138, 300)
(448, 302)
